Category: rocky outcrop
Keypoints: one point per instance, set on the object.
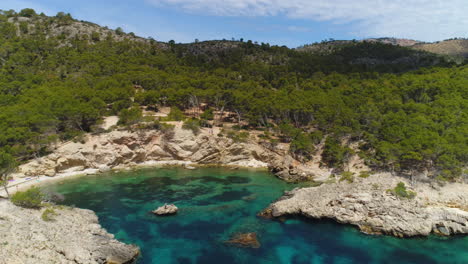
(123, 149)
(167, 209)
(74, 236)
(368, 204)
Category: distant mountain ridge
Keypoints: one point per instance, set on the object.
(457, 47)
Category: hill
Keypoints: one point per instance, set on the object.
(454, 48)
(400, 109)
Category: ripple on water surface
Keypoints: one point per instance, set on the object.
(216, 203)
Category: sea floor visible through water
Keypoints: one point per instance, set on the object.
(217, 203)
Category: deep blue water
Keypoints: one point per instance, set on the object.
(215, 203)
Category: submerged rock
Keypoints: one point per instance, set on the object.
(74, 236)
(245, 240)
(167, 209)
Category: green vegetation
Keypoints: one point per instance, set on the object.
(7, 166)
(334, 154)
(48, 214)
(175, 115)
(401, 191)
(192, 124)
(347, 176)
(130, 116)
(364, 174)
(31, 198)
(237, 136)
(407, 107)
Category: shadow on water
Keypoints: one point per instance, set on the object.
(215, 203)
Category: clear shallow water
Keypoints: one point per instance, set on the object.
(215, 203)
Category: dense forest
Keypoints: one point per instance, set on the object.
(406, 107)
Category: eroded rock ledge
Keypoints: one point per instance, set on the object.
(123, 149)
(367, 204)
(74, 236)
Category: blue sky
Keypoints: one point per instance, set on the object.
(280, 22)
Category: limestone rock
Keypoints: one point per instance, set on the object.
(167, 209)
(73, 237)
(367, 204)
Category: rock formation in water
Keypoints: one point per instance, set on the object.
(73, 236)
(245, 240)
(123, 149)
(368, 204)
(167, 209)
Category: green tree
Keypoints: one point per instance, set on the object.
(130, 116)
(7, 166)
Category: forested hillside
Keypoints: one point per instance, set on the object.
(406, 107)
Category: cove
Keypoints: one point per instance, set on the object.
(215, 203)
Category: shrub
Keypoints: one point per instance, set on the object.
(31, 198)
(207, 114)
(192, 124)
(303, 146)
(334, 154)
(238, 136)
(130, 116)
(27, 12)
(167, 130)
(95, 36)
(364, 174)
(401, 191)
(48, 214)
(347, 176)
(175, 115)
(316, 136)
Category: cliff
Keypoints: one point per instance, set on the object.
(123, 149)
(73, 236)
(367, 204)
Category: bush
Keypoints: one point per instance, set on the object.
(31, 198)
(303, 146)
(27, 12)
(364, 174)
(347, 176)
(130, 116)
(334, 154)
(192, 124)
(401, 191)
(316, 136)
(207, 114)
(238, 136)
(175, 115)
(48, 214)
(167, 130)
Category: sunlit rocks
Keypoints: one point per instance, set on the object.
(166, 209)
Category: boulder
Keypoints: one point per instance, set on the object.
(167, 209)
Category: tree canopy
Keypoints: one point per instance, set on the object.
(407, 107)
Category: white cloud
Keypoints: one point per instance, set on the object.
(418, 19)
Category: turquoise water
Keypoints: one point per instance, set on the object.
(216, 203)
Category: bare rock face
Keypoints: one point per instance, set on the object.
(73, 236)
(367, 204)
(123, 149)
(167, 209)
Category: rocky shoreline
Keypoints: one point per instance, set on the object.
(367, 204)
(71, 236)
(125, 149)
